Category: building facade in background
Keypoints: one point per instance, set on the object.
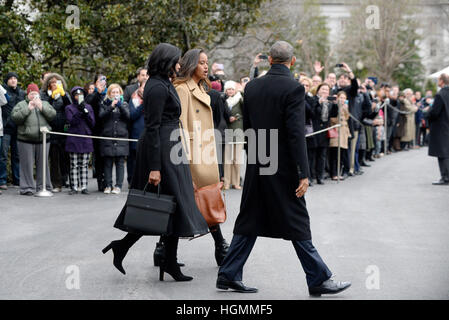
(433, 14)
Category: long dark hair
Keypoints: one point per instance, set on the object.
(163, 60)
(189, 63)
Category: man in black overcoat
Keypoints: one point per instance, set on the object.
(273, 203)
(438, 117)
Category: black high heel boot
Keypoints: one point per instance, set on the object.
(159, 253)
(120, 249)
(169, 263)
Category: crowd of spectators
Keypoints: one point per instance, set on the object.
(358, 107)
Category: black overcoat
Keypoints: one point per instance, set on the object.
(162, 109)
(115, 125)
(269, 206)
(439, 125)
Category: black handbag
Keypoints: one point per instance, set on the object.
(148, 212)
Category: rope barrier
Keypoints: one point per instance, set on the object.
(321, 131)
(45, 193)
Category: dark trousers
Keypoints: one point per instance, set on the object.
(422, 136)
(59, 165)
(444, 168)
(311, 157)
(119, 171)
(130, 164)
(240, 249)
(9, 141)
(99, 165)
(333, 161)
(320, 160)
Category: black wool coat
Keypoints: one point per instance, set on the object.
(439, 125)
(115, 125)
(162, 109)
(269, 206)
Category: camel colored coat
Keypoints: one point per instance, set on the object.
(197, 121)
(345, 134)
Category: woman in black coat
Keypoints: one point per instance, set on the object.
(54, 91)
(114, 113)
(323, 110)
(311, 144)
(162, 110)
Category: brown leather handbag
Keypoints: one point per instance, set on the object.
(210, 202)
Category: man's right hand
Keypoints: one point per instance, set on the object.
(154, 178)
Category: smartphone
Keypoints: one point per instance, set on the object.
(59, 82)
(80, 99)
(339, 65)
(263, 56)
(330, 98)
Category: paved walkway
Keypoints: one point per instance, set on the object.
(386, 231)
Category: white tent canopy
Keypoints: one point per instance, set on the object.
(436, 75)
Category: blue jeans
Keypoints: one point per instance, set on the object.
(6, 142)
(119, 170)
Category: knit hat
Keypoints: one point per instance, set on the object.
(230, 84)
(216, 85)
(9, 75)
(32, 87)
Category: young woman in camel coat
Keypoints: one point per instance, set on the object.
(197, 122)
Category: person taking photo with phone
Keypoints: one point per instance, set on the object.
(54, 89)
(30, 115)
(114, 112)
(80, 117)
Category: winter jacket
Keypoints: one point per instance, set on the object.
(29, 121)
(137, 121)
(115, 124)
(80, 122)
(3, 101)
(13, 96)
(235, 106)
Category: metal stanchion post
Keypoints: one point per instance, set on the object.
(385, 129)
(339, 144)
(44, 192)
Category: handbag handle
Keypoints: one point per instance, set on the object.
(158, 189)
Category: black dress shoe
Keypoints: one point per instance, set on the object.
(319, 181)
(238, 286)
(364, 164)
(440, 182)
(329, 287)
